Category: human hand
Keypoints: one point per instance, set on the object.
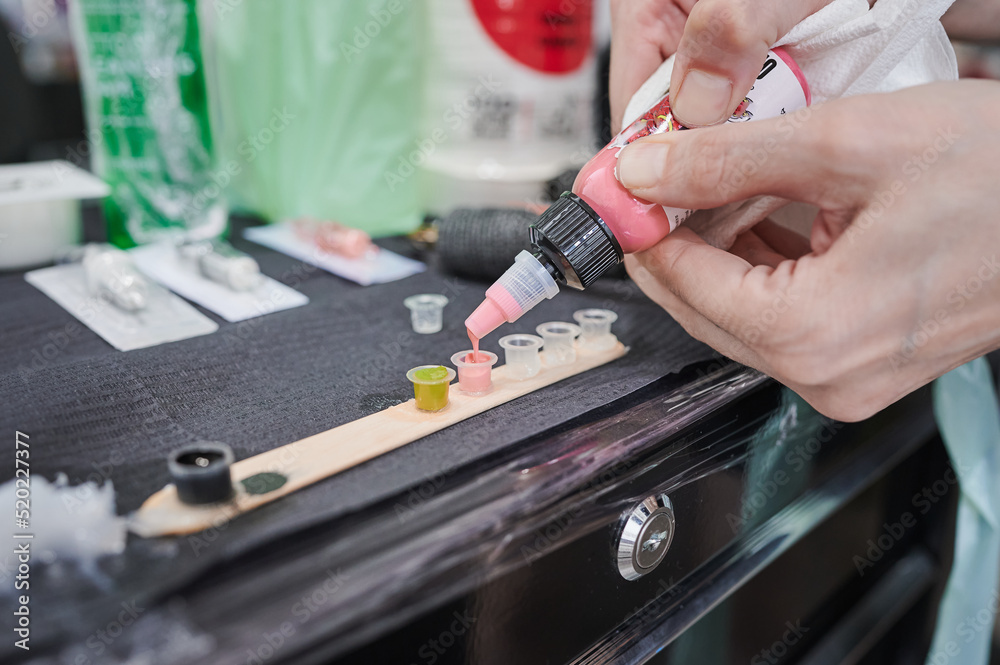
(720, 47)
(900, 280)
(973, 20)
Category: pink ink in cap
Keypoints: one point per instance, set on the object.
(474, 370)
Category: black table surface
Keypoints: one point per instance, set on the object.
(94, 413)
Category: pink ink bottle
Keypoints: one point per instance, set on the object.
(589, 230)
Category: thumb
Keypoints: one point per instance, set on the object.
(710, 167)
(724, 44)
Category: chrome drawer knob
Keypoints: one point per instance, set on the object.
(645, 537)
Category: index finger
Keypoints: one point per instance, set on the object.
(643, 35)
(710, 280)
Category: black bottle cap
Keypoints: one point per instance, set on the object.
(201, 472)
(576, 241)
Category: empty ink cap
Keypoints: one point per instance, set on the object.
(521, 354)
(558, 339)
(524, 285)
(426, 314)
(595, 325)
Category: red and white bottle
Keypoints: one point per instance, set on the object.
(508, 99)
(588, 231)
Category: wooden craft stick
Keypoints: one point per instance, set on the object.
(322, 455)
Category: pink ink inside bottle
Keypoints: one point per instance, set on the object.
(588, 231)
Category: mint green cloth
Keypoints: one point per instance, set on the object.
(968, 415)
(316, 108)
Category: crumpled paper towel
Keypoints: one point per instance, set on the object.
(846, 48)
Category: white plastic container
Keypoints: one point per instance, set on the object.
(40, 210)
(508, 99)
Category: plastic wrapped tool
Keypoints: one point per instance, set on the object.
(334, 238)
(111, 275)
(221, 262)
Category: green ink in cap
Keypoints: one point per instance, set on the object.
(430, 386)
(431, 374)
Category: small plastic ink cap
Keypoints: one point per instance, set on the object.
(201, 472)
(574, 242)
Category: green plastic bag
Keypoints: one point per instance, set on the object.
(315, 106)
(147, 113)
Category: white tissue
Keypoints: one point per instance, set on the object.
(68, 523)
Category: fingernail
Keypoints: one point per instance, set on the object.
(703, 99)
(640, 165)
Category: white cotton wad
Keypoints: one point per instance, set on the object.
(845, 49)
(69, 524)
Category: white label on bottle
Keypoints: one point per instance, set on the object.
(776, 91)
